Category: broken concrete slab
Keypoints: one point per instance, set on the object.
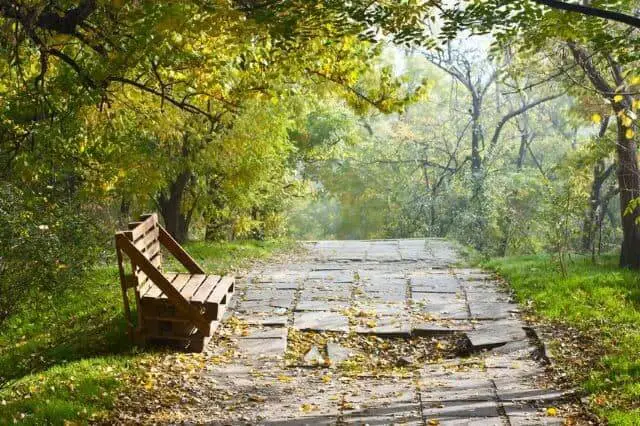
(338, 353)
(313, 357)
(496, 334)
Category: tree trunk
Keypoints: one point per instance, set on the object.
(476, 137)
(176, 221)
(629, 184)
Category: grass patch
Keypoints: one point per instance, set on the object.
(65, 355)
(603, 302)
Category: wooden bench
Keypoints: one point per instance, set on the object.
(176, 309)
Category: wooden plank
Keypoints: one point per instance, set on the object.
(161, 281)
(178, 252)
(154, 291)
(150, 237)
(205, 289)
(151, 250)
(144, 286)
(156, 260)
(139, 229)
(179, 281)
(193, 285)
(219, 293)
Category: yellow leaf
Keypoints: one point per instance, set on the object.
(306, 407)
(433, 422)
(326, 378)
(629, 134)
(552, 412)
(627, 121)
(618, 98)
(635, 80)
(284, 379)
(596, 118)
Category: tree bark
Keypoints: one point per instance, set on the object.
(626, 150)
(175, 219)
(629, 184)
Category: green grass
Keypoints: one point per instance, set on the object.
(65, 356)
(601, 300)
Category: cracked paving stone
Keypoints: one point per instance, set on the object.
(496, 333)
(338, 353)
(321, 321)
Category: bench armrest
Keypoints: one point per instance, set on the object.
(178, 252)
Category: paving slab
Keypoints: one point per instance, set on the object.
(321, 305)
(445, 311)
(492, 310)
(321, 321)
(269, 347)
(397, 325)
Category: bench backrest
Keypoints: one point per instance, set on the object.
(145, 236)
(141, 244)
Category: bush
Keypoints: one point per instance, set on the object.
(46, 242)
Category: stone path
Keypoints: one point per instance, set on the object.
(406, 293)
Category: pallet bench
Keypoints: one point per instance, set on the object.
(181, 310)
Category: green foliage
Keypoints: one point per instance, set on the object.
(46, 243)
(601, 300)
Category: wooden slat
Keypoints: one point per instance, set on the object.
(178, 282)
(150, 237)
(138, 229)
(205, 289)
(193, 285)
(156, 260)
(144, 287)
(154, 292)
(152, 251)
(219, 293)
(178, 252)
(161, 281)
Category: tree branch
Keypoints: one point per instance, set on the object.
(591, 11)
